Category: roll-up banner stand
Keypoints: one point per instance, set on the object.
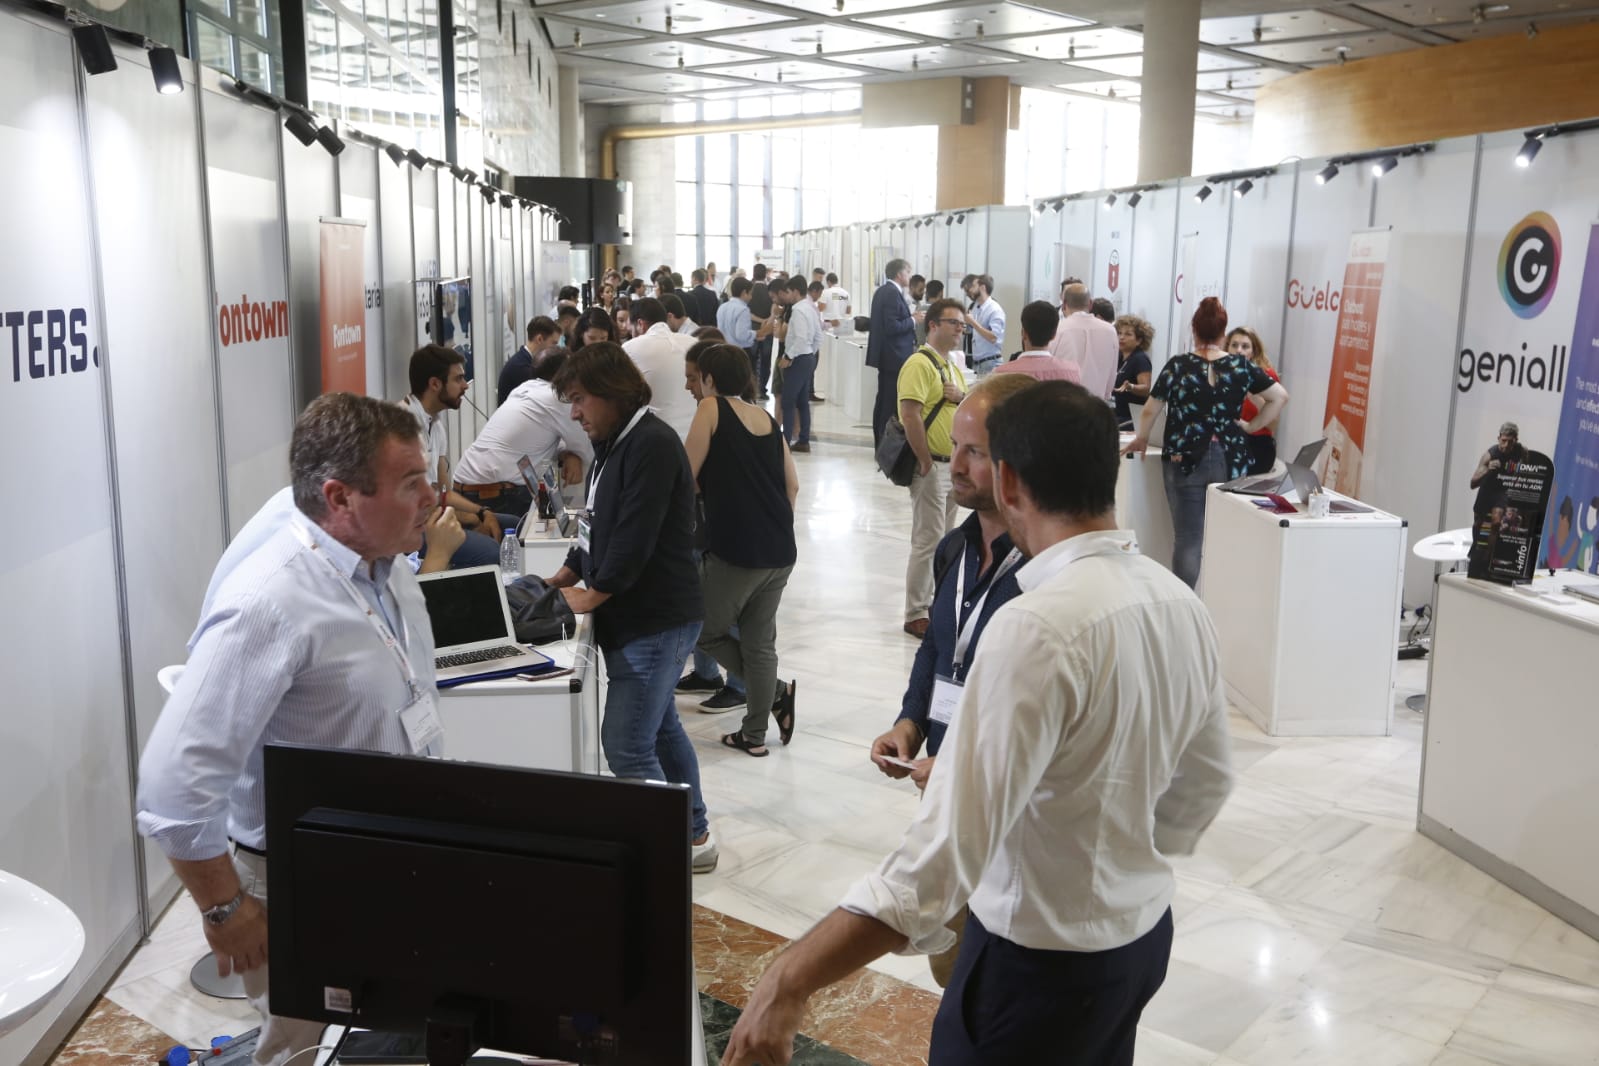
(343, 304)
(358, 199)
(1529, 243)
(1571, 527)
(1354, 352)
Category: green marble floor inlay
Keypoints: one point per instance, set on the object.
(719, 1019)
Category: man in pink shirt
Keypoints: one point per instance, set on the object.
(1087, 341)
(1039, 320)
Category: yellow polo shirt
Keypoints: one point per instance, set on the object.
(922, 379)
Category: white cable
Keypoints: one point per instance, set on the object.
(319, 1047)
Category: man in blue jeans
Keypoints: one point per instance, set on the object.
(635, 554)
(801, 344)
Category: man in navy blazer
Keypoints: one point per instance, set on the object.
(890, 341)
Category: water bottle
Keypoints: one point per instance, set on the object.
(510, 557)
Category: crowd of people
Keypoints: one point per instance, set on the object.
(655, 404)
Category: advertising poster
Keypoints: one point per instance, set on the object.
(1572, 520)
(343, 294)
(1509, 519)
(1349, 381)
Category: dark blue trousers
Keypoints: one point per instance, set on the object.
(1007, 1005)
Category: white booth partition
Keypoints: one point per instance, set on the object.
(399, 274)
(1153, 277)
(1111, 274)
(310, 194)
(358, 200)
(1257, 256)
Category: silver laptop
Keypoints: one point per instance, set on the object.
(1299, 475)
(472, 631)
(565, 522)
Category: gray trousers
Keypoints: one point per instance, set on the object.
(746, 598)
(281, 1038)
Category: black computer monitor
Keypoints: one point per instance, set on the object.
(526, 911)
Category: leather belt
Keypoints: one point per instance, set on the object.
(940, 458)
(248, 850)
(487, 492)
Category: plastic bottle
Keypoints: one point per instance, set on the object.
(510, 557)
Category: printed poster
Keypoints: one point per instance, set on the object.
(1572, 520)
(343, 306)
(1349, 380)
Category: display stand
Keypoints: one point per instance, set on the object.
(1507, 774)
(1306, 613)
(1141, 503)
(544, 550)
(1451, 546)
(847, 380)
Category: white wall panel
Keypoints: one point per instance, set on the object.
(399, 275)
(1113, 245)
(145, 157)
(1154, 274)
(310, 182)
(63, 739)
(255, 367)
(1043, 280)
(1257, 257)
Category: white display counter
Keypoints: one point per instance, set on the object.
(1510, 761)
(1141, 504)
(552, 724)
(1307, 614)
(845, 379)
(544, 550)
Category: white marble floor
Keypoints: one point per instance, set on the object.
(1314, 926)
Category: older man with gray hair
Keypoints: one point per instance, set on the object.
(1086, 341)
(890, 340)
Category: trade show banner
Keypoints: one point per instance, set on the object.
(1509, 520)
(1349, 382)
(1113, 242)
(1572, 520)
(343, 306)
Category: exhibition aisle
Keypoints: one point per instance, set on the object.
(1315, 926)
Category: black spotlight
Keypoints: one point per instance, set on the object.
(1057, 205)
(488, 193)
(950, 221)
(506, 199)
(1326, 173)
(164, 69)
(395, 152)
(1241, 190)
(418, 160)
(94, 48)
(329, 140)
(1110, 201)
(1132, 201)
(1384, 165)
(1202, 195)
(304, 129)
(1529, 151)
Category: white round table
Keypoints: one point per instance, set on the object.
(41, 941)
(1451, 546)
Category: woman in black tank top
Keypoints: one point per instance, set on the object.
(748, 483)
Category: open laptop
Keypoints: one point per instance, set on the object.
(1299, 476)
(472, 631)
(565, 522)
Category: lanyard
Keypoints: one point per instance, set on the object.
(966, 632)
(599, 468)
(378, 624)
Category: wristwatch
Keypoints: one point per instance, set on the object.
(223, 911)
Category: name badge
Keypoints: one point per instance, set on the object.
(946, 697)
(422, 725)
(583, 539)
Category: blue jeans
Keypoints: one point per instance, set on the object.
(763, 364)
(641, 734)
(1185, 494)
(797, 398)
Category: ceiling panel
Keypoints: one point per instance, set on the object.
(1529, 23)
(569, 35)
(666, 54)
(802, 41)
(695, 17)
(1248, 78)
(791, 70)
(1085, 44)
(1318, 51)
(1133, 66)
(1427, 13)
(653, 83)
(911, 59)
(1278, 26)
(1114, 89)
(970, 21)
(830, 8)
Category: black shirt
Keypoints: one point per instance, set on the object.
(760, 300)
(748, 519)
(641, 547)
(517, 369)
(1127, 374)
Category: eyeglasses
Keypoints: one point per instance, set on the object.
(957, 323)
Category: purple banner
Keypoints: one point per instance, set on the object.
(1572, 523)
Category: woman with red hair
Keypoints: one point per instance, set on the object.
(1202, 392)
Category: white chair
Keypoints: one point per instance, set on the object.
(203, 974)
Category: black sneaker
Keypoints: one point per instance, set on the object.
(724, 700)
(696, 683)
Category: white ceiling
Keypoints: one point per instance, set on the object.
(670, 51)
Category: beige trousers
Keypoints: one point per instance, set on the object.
(932, 515)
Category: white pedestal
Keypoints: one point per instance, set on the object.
(1141, 505)
(552, 724)
(1508, 766)
(544, 550)
(846, 380)
(1307, 614)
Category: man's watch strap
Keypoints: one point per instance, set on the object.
(223, 911)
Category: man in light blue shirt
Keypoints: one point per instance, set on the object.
(987, 321)
(319, 636)
(733, 317)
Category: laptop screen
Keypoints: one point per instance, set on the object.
(465, 608)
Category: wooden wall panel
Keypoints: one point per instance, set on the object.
(971, 158)
(1426, 94)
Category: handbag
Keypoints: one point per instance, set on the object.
(895, 456)
(539, 613)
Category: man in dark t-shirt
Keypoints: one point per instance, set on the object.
(542, 333)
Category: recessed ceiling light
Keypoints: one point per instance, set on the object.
(668, 55)
(601, 15)
(686, 18)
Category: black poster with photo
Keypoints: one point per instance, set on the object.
(1506, 537)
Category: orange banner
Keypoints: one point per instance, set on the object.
(343, 307)
(1349, 385)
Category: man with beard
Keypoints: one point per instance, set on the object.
(438, 382)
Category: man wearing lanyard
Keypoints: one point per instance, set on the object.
(319, 636)
(1089, 745)
(987, 321)
(977, 575)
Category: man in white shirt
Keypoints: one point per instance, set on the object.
(677, 319)
(835, 305)
(986, 322)
(1088, 744)
(1086, 340)
(532, 422)
(658, 353)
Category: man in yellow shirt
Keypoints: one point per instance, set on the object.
(930, 380)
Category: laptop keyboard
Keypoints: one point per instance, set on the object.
(482, 655)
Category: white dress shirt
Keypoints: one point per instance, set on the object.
(1090, 742)
(435, 435)
(804, 330)
(659, 356)
(283, 655)
(532, 422)
(688, 326)
(1090, 342)
(835, 306)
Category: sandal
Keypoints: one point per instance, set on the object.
(745, 744)
(783, 711)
